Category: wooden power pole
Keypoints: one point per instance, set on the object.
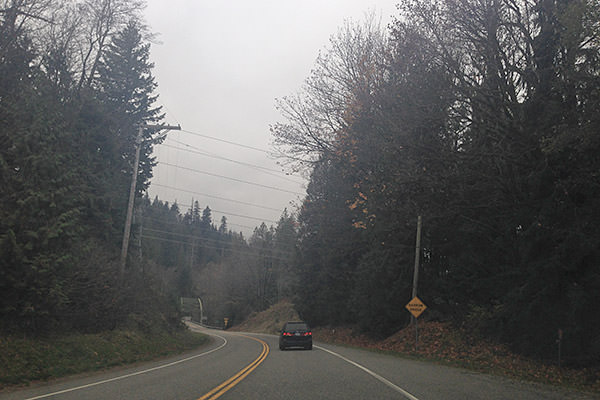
(417, 257)
(416, 277)
(127, 230)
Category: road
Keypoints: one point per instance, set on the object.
(250, 366)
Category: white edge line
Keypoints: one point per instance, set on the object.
(373, 374)
(134, 373)
(365, 369)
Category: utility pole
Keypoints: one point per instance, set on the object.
(138, 145)
(141, 233)
(417, 257)
(416, 277)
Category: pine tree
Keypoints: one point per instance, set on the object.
(206, 220)
(126, 86)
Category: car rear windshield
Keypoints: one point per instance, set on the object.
(296, 326)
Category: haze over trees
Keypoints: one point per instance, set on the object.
(481, 117)
(193, 257)
(75, 84)
(75, 81)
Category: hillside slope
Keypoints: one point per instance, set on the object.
(270, 320)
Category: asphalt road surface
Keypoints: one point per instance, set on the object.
(251, 366)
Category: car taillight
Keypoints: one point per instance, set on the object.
(287, 334)
(307, 333)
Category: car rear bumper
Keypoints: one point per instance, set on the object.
(295, 341)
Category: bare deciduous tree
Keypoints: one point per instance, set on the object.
(343, 77)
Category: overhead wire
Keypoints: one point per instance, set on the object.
(201, 239)
(242, 252)
(262, 169)
(244, 216)
(194, 150)
(180, 222)
(232, 179)
(226, 141)
(164, 222)
(216, 197)
(226, 213)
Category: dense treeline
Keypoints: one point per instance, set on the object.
(234, 276)
(75, 85)
(75, 82)
(481, 117)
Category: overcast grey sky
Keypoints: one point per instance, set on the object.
(220, 65)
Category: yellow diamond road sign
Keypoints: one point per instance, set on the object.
(416, 307)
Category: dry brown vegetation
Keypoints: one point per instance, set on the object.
(270, 320)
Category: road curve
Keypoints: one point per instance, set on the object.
(190, 376)
(333, 372)
(250, 366)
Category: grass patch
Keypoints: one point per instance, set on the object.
(25, 360)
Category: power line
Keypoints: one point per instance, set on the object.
(277, 173)
(194, 238)
(241, 226)
(196, 150)
(216, 197)
(244, 216)
(245, 253)
(201, 239)
(180, 223)
(226, 141)
(232, 179)
(229, 213)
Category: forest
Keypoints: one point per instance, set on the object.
(76, 83)
(479, 116)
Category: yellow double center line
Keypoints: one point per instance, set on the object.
(237, 378)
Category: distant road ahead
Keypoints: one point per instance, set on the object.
(250, 366)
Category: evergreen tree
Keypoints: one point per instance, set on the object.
(196, 213)
(126, 86)
(480, 119)
(223, 227)
(284, 246)
(64, 179)
(206, 220)
(263, 283)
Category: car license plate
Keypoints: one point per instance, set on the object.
(297, 334)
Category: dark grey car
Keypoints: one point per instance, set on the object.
(295, 334)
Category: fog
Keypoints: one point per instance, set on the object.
(220, 66)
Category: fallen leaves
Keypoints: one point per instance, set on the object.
(441, 342)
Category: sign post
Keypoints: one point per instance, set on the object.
(416, 308)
